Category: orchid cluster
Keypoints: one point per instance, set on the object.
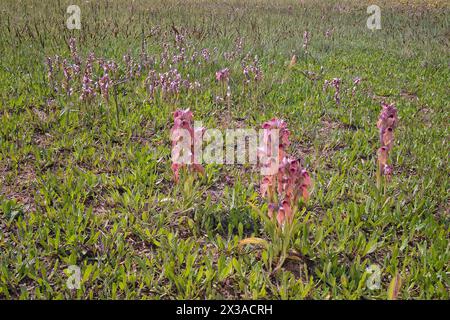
(284, 183)
(164, 54)
(105, 83)
(83, 75)
(170, 83)
(194, 57)
(252, 72)
(179, 39)
(147, 62)
(177, 58)
(289, 182)
(53, 66)
(206, 54)
(180, 46)
(75, 57)
(386, 124)
(183, 133)
(73, 79)
(336, 84)
(107, 66)
(237, 50)
(132, 70)
(88, 88)
(167, 58)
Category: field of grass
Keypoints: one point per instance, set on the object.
(89, 182)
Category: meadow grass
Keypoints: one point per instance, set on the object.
(90, 183)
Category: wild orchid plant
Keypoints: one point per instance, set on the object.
(285, 187)
(306, 38)
(387, 122)
(336, 84)
(169, 83)
(88, 87)
(253, 76)
(223, 77)
(184, 134)
(252, 71)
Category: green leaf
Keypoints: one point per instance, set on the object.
(394, 287)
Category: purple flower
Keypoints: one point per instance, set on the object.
(206, 55)
(356, 82)
(223, 75)
(165, 54)
(129, 65)
(74, 52)
(104, 84)
(87, 89)
(179, 39)
(386, 124)
(67, 71)
(336, 84)
(387, 170)
(388, 119)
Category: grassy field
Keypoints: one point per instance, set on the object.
(89, 182)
